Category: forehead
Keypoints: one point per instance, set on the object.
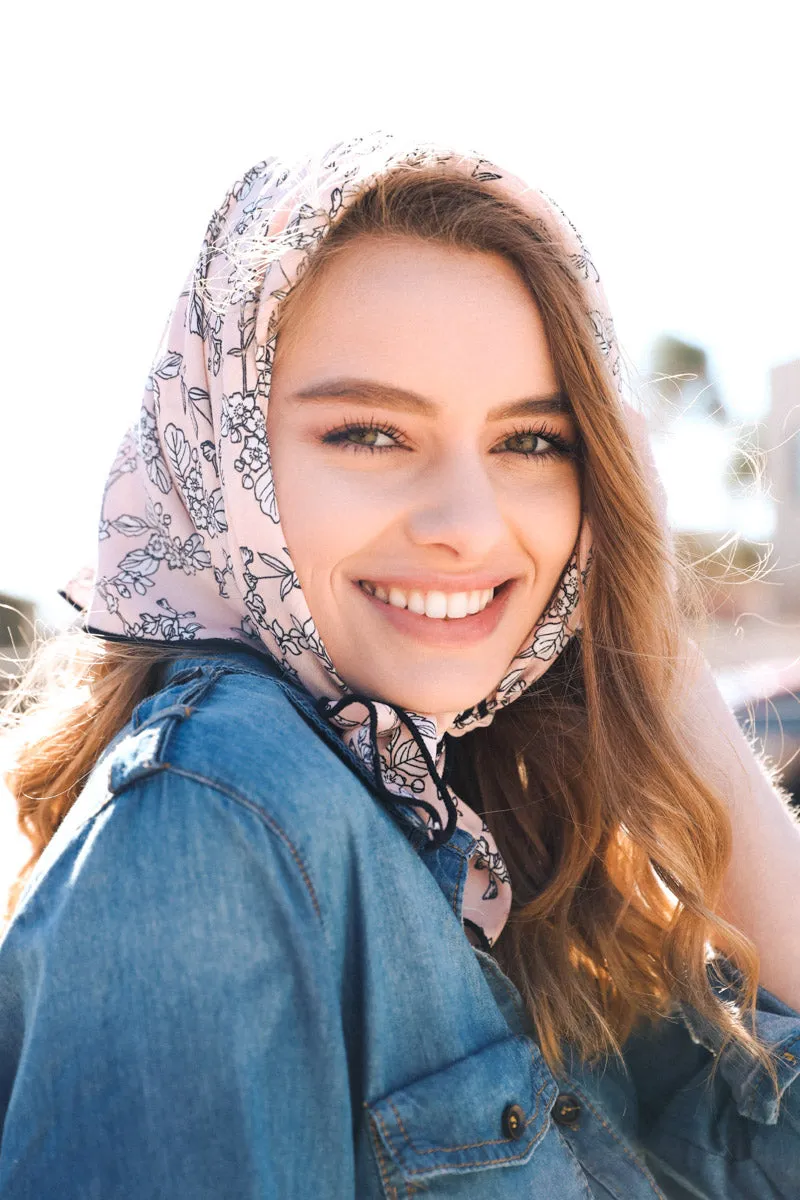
(404, 269)
(420, 315)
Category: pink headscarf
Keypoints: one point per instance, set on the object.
(190, 541)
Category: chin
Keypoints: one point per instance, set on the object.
(435, 697)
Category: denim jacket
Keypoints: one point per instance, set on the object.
(235, 973)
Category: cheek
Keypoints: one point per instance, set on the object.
(548, 518)
(322, 519)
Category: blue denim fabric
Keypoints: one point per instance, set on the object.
(236, 974)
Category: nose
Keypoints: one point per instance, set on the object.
(456, 507)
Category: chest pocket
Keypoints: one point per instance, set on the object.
(484, 1112)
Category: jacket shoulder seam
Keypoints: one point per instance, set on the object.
(265, 817)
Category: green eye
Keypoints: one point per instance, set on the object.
(537, 443)
(526, 443)
(364, 437)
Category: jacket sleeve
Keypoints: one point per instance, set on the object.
(723, 1134)
(169, 1020)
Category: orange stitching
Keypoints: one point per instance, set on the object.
(534, 1114)
(489, 1162)
(391, 1192)
(469, 1145)
(386, 1134)
(625, 1150)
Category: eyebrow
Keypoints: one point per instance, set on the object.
(369, 391)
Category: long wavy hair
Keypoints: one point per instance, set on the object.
(615, 839)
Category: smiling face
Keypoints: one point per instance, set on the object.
(424, 468)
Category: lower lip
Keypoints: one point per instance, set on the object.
(443, 632)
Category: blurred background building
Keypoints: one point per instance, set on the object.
(783, 441)
(734, 502)
(17, 623)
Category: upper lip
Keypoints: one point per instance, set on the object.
(437, 583)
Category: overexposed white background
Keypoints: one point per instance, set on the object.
(668, 132)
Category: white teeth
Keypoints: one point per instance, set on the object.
(416, 603)
(474, 602)
(457, 604)
(436, 605)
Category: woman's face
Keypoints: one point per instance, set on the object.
(422, 466)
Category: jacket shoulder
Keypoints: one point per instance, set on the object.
(230, 724)
(223, 741)
(236, 725)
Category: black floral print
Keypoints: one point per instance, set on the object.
(244, 424)
(221, 576)
(490, 860)
(137, 568)
(206, 509)
(150, 451)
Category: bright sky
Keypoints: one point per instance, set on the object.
(668, 132)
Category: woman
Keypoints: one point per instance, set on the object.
(396, 840)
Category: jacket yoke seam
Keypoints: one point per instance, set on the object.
(269, 821)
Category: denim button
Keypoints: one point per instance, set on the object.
(513, 1121)
(566, 1110)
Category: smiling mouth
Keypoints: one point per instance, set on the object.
(437, 605)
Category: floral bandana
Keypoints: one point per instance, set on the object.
(190, 542)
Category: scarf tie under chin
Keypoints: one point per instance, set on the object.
(409, 741)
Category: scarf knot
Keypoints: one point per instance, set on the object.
(408, 762)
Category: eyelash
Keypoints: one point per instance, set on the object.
(559, 446)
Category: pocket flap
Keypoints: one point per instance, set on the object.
(453, 1120)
